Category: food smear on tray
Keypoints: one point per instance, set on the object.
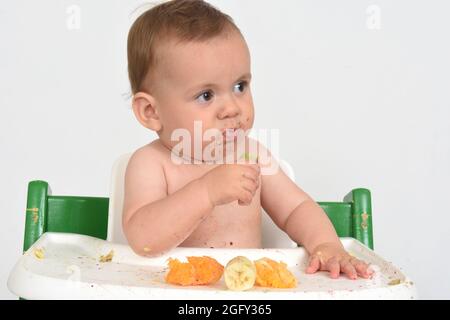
(39, 253)
(108, 257)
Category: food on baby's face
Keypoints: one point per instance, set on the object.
(240, 274)
(270, 273)
(197, 271)
(250, 157)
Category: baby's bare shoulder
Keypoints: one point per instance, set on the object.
(144, 177)
(147, 163)
(150, 154)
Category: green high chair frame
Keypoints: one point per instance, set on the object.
(89, 215)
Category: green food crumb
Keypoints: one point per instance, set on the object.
(249, 156)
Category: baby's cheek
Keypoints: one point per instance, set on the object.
(248, 121)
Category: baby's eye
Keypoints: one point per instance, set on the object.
(205, 96)
(241, 86)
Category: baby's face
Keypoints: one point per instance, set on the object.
(204, 81)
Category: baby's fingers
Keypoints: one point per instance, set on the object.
(245, 197)
(314, 264)
(362, 268)
(333, 267)
(348, 269)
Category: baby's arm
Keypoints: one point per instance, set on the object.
(155, 222)
(294, 211)
(306, 223)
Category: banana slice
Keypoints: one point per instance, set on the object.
(240, 274)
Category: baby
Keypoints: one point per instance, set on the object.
(189, 69)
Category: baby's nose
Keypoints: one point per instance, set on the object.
(230, 109)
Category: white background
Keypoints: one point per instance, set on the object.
(356, 107)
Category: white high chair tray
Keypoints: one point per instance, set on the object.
(70, 269)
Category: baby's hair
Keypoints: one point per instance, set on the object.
(179, 20)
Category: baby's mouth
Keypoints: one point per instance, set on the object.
(230, 134)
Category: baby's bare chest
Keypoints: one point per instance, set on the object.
(228, 225)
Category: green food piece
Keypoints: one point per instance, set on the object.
(249, 156)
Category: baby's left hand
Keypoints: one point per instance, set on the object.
(333, 258)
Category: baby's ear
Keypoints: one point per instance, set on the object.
(145, 111)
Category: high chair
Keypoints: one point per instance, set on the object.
(74, 248)
(101, 217)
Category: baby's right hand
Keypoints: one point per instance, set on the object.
(230, 182)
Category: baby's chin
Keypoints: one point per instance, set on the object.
(215, 146)
(232, 150)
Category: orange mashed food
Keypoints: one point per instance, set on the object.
(270, 273)
(197, 271)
